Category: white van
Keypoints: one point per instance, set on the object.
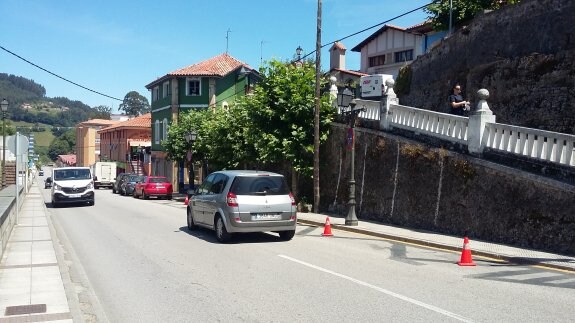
(72, 185)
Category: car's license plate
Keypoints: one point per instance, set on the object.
(159, 186)
(266, 216)
(75, 195)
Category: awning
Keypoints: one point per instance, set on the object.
(140, 143)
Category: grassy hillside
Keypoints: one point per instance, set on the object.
(43, 138)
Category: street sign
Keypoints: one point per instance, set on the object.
(350, 138)
(22, 145)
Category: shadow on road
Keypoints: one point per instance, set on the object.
(237, 238)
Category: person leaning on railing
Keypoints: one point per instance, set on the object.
(456, 103)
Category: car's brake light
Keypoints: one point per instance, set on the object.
(292, 199)
(232, 199)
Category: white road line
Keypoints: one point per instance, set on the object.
(382, 290)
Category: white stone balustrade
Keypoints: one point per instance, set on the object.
(441, 125)
(478, 132)
(533, 143)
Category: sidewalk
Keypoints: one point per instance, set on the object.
(31, 285)
(479, 248)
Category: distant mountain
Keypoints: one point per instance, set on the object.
(28, 102)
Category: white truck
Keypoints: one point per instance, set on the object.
(72, 185)
(373, 86)
(104, 174)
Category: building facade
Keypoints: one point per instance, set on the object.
(88, 141)
(128, 143)
(391, 47)
(214, 83)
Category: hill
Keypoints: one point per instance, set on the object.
(28, 103)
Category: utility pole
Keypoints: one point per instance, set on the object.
(316, 194)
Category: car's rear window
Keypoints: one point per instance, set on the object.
(133, 178)
(158, 180)
(259, 185)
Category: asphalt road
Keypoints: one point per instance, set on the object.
(135, 261)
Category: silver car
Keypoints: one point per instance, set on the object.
(243, 201)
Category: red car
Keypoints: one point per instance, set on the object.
(158, 186)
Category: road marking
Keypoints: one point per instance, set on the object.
(382, 290)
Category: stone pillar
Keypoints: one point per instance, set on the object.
(333, 91)
(477, 121)
(388, 99)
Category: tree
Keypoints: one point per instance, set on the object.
(135, 104)
(281, 111)
(463, 11)
(101, 112)
(62, 145)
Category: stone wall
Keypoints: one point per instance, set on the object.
(523, 54)
(406, 183)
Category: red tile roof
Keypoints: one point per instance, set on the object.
(338, 45)
(218, 66)
(97, 122)
(356, 73)
(69, 160)
(143, 121)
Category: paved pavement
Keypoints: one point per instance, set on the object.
(32, 281)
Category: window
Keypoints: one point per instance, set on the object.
(157, 132)
(376, 60)
(193, 86)
(165, 128)
(155, 93)
(404, 56)
(167, 90)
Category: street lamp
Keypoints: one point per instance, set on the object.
(4, 106)
(346, 102)
(298, 51)
(190, 139)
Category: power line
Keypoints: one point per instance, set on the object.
(58, 76)
(366, 29)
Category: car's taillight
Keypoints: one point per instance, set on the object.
(232, 199)
(292, 199)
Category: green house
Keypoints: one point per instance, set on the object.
(213, 83)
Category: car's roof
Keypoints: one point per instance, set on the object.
(72, 167)
(240, 172)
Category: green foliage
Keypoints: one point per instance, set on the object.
(463, 11)
(62, 145)
(403, 82)
(281, 111)
(135, 104)
(101, 112)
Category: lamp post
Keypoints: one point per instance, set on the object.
(298, 51)
(346, 102)
(4, 106)
(190, 139)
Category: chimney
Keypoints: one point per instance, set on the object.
(337, 56)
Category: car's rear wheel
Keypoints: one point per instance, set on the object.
(113, 190)
(221, 233)
(169, 197)
(91, 203)
(144, 195)
(287, 235)
(191, 224)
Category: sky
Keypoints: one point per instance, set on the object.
(117, 46)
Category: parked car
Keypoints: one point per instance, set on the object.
(41, 173)
(128, 184)
(48, 182)
(116, 185)
(243, 201)
(157, 186)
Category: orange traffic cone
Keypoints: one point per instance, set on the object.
(466, 254)
(327, 228)
(187, 200)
